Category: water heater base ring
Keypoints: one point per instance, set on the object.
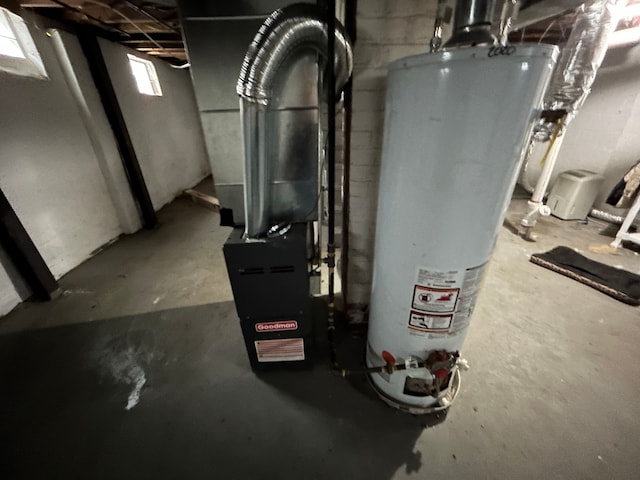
(443, 403)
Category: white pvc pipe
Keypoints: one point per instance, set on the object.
(542, 185)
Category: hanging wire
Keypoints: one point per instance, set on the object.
(547, 30)
(106, 5)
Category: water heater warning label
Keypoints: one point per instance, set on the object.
(443, 301)
(430, 299)
(427, 322)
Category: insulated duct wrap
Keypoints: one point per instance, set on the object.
(579, 62)
(287, 34)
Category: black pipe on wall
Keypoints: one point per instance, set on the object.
(350, 25)
(331, 170)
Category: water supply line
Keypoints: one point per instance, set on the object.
(510, 9)
(442, 16)
(297, 29)
(570, 85)
(331, 180)
(536, 203)
(350, 9)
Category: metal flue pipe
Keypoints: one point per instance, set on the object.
(472, 23)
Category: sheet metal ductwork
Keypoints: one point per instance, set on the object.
(298, 29)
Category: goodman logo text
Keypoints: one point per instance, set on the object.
(281, 326)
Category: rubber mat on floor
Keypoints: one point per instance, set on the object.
(615, 282)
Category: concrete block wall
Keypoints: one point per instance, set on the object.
(386, 30)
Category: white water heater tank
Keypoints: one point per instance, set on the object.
(456, 125)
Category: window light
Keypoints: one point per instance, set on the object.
(18, 52)
(145, 74)
(9, 44)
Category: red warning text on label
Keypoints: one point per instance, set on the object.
(429, 322)
(435, 300)
(280, 326)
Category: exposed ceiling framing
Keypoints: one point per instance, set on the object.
(551, 21)
(152, 27)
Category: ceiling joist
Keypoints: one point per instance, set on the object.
(135, 23)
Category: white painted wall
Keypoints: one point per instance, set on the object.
(61, 169)
(48, 169)
(165, 131)
(101, 135)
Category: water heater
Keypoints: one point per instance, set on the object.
(456, 125)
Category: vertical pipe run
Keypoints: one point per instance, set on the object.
(548, 163)
(350, 24)
(253, 117)
(536, 206)
(331, 170)
(472, 23)
(472, 12)
(510, 10)
(436, 40)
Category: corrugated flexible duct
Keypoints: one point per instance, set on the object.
(298, 29)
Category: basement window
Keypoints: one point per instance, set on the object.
(18, 52)
(146, 77)
(9, 45)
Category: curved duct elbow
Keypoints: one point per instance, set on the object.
(288, 31)
(292, 31)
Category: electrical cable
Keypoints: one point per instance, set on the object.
(102, 4)
(89, 16)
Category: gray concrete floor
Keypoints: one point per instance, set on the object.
(149, 324)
